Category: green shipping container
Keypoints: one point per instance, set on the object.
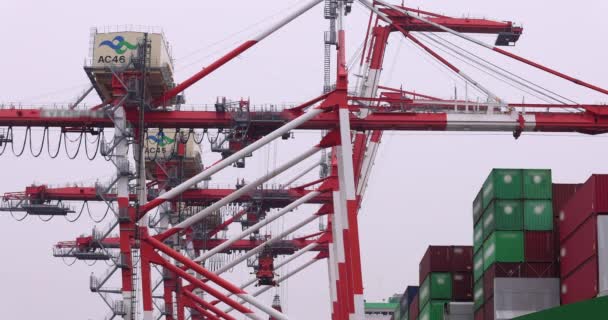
(397, 313)
(477, 237)
(538, 215)
(478, 265)
(478, 295)
(503, 215)
(405, 316)
(436, 286)
(478, 206)
(433, 310)
(537, 184)
(503, 184)
(503, 246)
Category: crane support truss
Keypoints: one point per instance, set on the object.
(353, 122)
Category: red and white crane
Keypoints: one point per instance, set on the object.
(353, 122)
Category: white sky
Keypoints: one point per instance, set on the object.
(423, 183)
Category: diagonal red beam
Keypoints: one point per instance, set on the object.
(167, 96)
(206, 305)
(211, 277)
(196, 282)
(192, 305)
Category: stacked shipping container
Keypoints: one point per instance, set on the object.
(528, 233)
(445, 275)
(403, 309)
(514, 233)
(583, 233)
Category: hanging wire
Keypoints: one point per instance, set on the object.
(27, 132)
(65, 145)
(96, 142)
(8, 134)
(90, 264)
(69, 264)
(18, 219)
(202, 136)
(36, 155)
(91, 215)
(45, 220)
(48, 145)
(78, 216)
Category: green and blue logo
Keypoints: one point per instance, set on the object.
(119, 45)
(161, 139)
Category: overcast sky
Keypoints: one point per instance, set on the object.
(422, 186)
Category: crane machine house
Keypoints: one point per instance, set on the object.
(143, 50)
(121, 49)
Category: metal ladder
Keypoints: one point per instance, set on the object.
(330, 13)
(135, 262)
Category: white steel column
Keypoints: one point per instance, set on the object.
(234, 157)
(332, 265)
(121, 151)
(264, 244)
(258, 226)
(279, 280)
(300, 175)
(282, 263)
(245, 189)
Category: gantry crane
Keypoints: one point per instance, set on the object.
(140, 102)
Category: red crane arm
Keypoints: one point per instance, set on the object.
(280, 247)
(272, 198)
(463, 25)
(594, 121)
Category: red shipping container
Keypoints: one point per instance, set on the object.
(461, 259)
(579, 247)
(413, 312)
(500, 270)
(462, 286)
(589, 199)
(582, 284)
(435, 259)
(479, 314)
(541, 270)
(488, 309)
(539, 246)
(446, 259)
(562, 192)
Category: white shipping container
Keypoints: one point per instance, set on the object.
(458, 311)
(516, 297)
(602, 253)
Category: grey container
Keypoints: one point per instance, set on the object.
(516, 297)
(458, 311)
(602, 254)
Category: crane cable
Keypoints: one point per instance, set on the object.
(484, 71)
(505, 74)
(506, 71)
